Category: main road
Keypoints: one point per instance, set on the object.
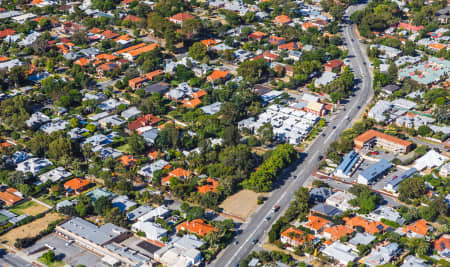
(257, 226)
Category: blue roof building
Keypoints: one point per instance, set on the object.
(374, 171)
(347, 164)
(392, 186)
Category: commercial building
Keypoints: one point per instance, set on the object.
(373, 138)
(430, 160)
(374, 171)
(345, 168)
(392, 186)
(102, 240)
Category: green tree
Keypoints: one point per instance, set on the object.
(48, 257)
(137, 143)
(102, 205)
(198, 51)
(412, 188)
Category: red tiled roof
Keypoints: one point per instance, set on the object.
(210, 186)
(145, 120)
(365, 137)
(371, 227)
(419, 227)
(198, 227)
(76, 184)
(7, 32)
(179, 172)
(182, 16)
(334, 63)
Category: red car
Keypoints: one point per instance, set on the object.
(375, 153)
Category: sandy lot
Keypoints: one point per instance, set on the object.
(30, 208)
(31, 229)
(241, 204)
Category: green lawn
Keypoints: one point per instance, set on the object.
(18, 209)
(124, 148)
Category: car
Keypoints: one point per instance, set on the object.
(375, 153)
(323, 134)
(236, 242)
(295, 176)
(395, 177)
(254, 241)
(320, 157)
(334, 126)
(267, 218)
(275, 208)
(358, 107)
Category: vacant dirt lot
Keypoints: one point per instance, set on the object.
(241, 204)
(29, 208)
(31, 229)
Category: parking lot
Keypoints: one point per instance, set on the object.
(379, 185)
(71, 254)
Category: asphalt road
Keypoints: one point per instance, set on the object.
(259, 223)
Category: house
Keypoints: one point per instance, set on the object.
(175, 255)
(37, 119)
(257, 35)
(373, 138)
(217, 75)
(340, 252)
(319, 194)
(326, 78)
(55, 175)
(387, 213)
(445, 170)
(111, 121)
(160, 88)
(373, 172)
(11, 197)
(179, 18)
(412, 261)
(76, 185)
(295, 237)
(382, 255)
(150, 136)
(390, 89)
(442, 246)
(341, 200)
(123, 203)
(138, 212)
(33, 165)
(409, 27)
(417, 229)
(82, 62)
(210, 185)
(370, 227)
(131, 55)
(131, 113)
(336, 232)
(281, 20)
(361, 239)
(100, 192)
(198, 227)
(212, 109)
(137, 82)
(316, 223)
(326, 210)
(275, 40)
(159, 212)
(180, 173)
(147, 170)
(145, 120)
(191, 103)
(334, 65)
(430, 160)
(152, 231)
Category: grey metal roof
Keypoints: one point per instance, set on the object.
(326, 210)
(373, 171)
(95, 234)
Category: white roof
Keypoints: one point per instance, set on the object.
(430, 160)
